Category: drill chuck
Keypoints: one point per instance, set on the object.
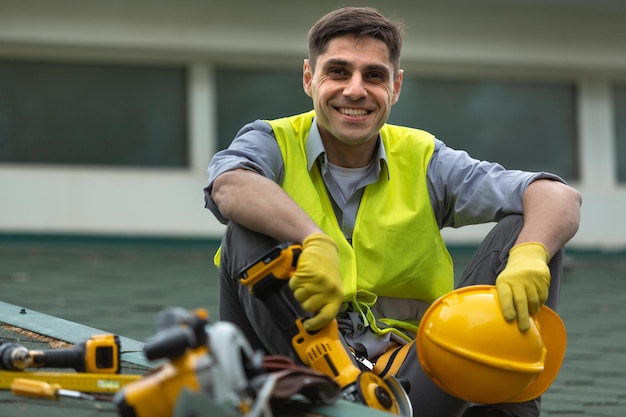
(14, 357)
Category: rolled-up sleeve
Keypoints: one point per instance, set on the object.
(465, 191)
(254, 148)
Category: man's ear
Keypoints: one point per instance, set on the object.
(307, 77)
(397, 86)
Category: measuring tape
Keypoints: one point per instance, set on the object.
(85, 382)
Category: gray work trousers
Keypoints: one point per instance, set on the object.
(241, 246)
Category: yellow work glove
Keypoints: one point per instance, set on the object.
(316, 283)
(524, 283)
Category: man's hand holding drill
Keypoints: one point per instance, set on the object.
(316, 283)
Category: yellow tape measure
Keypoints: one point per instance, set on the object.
(85, 382)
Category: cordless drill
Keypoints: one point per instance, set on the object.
(322, 350)
(180, 338)
(98, 354)
(217, 367)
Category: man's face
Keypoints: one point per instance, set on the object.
(353, 89)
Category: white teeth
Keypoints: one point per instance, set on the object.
(353, 112)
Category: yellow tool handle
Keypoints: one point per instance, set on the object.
(36, 389)
(279, 264)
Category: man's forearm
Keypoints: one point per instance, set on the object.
(551, 214)
(260, 204)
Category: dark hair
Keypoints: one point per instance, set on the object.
(360, 22)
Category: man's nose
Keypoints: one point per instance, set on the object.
(355, 89)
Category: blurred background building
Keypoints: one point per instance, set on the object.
(110, 110)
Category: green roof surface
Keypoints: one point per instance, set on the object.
(119, 286)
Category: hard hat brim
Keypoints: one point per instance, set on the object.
(554, 338)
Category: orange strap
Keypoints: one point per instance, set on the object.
(390, 362)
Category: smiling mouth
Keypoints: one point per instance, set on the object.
(353, 112)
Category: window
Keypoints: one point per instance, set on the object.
(522, 125)
(244, 96)
(93, 114)
(619, 116)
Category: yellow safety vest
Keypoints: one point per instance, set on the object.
(397, 249)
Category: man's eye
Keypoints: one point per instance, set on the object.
(376, 76)
(336, 72)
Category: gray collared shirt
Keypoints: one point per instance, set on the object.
(462, 190)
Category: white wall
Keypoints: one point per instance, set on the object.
(580, 40)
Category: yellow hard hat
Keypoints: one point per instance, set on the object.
(470, 351)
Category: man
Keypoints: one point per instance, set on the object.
(367, 201)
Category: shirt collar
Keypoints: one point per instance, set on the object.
(315, 150)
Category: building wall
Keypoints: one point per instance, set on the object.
(583, 41)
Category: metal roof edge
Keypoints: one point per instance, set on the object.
(67, 331)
